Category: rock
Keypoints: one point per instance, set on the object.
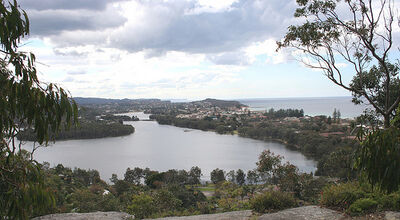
(304, 213)
(87, 216)
(392, 215)
(238, 215)
(301, 213)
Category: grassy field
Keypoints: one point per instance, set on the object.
(207, 188)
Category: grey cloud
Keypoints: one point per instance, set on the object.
(150, 53)
(65, 4)
(171, 26)
(53, 22)
(80, 38)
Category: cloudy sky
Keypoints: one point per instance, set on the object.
(180, 49)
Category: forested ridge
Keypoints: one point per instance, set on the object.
(85, 130)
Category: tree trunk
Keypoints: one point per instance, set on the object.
(386, 120)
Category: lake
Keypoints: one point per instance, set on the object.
(164, 147)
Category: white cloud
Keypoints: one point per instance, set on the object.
(268, 48)
(157, 48)
(109, 72)
(77, 72)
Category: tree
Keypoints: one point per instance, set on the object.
(334, 115)
(24, 103)
(86, 178)
(121, 186)
(194, 175)
(240, 177)
(329, 120)
(362, 37)
(286, 176)
(373, 80)
(217, 176)
(268, 161)
(134, 176)
(114, 178)
(252, 177)
(231, 176)
(337, 164)
(379, 156)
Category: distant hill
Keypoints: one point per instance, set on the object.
(220, 103)
(128, 104)
(103, 101)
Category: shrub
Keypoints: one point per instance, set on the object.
(188, 197)
(205, 207)
(363, 206)
(341, 195)
(164, 200)
(311, 188)
(272, 201)
(390, 202)
(231, 204)
(142, 206)
(82, 200)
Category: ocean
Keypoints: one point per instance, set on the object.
(311, 106)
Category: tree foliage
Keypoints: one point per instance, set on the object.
(282, 113)
(357, 32)
(379, 158)
(195, 175)
(374, 81)
(85, 130)
(24, 102)
(268, 161)
(134, 176)
(22, 190)
(240, 177)
(217, 176)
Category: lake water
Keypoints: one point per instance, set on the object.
(164, 147)
(311, 106)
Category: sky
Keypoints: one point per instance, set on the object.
(171, 49)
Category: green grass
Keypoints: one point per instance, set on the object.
(202, 189)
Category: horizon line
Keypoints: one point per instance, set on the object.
(228, 99)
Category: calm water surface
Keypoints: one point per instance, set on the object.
(311, 106)
(164, 147)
